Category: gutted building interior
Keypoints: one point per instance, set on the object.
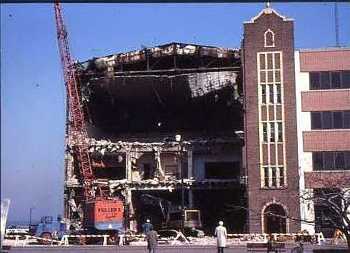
(163, 128)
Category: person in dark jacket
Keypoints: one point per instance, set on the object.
(147, 226)
(152, 240)
(270, 244)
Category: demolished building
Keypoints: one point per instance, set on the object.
(164, 120)
(215, 129)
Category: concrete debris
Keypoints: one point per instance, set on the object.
(202, 83)
(168, 183)
(103, 146)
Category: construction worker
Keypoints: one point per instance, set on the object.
(338, 236)
(152, 240)
(147, 226)
(221, 235)
(270, 244)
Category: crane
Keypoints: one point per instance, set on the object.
(101, 212)
(77, 134)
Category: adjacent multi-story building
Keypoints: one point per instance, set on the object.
(323, 106)
(238, 134)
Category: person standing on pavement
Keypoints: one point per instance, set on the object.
(152, 240)
(221, 235)
(147, 226)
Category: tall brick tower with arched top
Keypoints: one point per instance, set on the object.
(270, 123)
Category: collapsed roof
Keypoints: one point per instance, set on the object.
(168, 88)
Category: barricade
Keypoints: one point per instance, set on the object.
(65, 239)
(317, 237)
(24, 242)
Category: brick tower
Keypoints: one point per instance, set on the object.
(270, 123)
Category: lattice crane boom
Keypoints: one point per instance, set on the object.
(77, 134)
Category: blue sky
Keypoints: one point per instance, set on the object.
(32, 90)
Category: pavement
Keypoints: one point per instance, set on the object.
(161, 249)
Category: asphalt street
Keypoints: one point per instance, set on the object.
(135, 249)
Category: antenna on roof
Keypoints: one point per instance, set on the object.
(336, 24)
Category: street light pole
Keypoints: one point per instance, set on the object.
(30, 216)
(178, 139)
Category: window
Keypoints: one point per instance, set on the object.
(335, 80)
(262, 61)
(272, 132)
(281, 171)
(327, 120)
(347, 160)
(328, 160)
(262, 76)
(269, 38)
(314, 80)
(346, 79)
(277, 76)
(337, 120)
(269, 61)
(316, 122)
(273, 177)
(329, 80)
(325, 83)
(339, 160)
(264, 132)
(266, 176)
(280, 132)
(317, 160)
(278, 93)
(270, 93)
(277, 61)
(346, 116)
(269, 71)
(263, 94)
(270, 76)
(330, 120)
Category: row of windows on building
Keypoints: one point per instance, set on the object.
(330, 120)
(269, 70)
(273, 177)
(328, 160)
(271, 94)
(329, 80)
(272, 131)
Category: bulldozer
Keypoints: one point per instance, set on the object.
(174, 216)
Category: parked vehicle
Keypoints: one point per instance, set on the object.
(48, 228)
(102, 217)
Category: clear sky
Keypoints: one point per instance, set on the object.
(32, 90)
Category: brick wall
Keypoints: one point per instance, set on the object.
(325, 60)
(325, 100)
(327, 179)
(326, 140)
(252, 44)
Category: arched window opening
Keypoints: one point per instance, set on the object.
(269, 38)
(275, 219)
